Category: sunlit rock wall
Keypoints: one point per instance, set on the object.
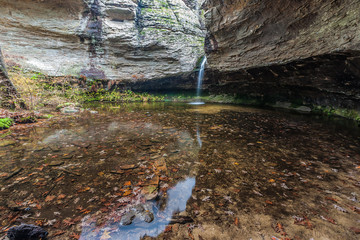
(281, 50)
(128, 40)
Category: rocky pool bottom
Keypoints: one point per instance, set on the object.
(179, 171)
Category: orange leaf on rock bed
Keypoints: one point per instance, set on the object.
(85, 211)
(331, 199)
(168, 229)
(59, 179)
(61, 196)
(328, 219)
(236, 222)
(68, 222)
(127, 193)
(84, 189)
(4, 174)
(355, 209)
(269, 202)
(49, 198)
(74, 236)
(128, 183)
(57, 233)
(40, 223)
(304, 222)
(355, 230)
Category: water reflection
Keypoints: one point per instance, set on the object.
(198, 137)
(258, 174)
(175, 202)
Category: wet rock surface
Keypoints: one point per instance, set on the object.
(27, 232)
(257, 174)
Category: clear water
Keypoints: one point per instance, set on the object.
(203, 172)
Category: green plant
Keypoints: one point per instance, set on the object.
(5, 123)
(37, 76)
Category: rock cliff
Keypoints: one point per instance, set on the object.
(8, 91)
(280, 50)
(106, 39)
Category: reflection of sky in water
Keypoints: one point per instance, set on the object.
(176, 202)
(198, 136)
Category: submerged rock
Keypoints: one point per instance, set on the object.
(70, 110)
(143, 212)
(127, 218)
(27, 232)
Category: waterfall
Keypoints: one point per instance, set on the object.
(200, 80)
(200, 77)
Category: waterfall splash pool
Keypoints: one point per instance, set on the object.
(177, 171)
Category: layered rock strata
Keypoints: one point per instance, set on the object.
(300, 51)
(130, 40)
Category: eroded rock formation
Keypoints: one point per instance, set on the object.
(306, 52)
(7, 90)
(107, 39)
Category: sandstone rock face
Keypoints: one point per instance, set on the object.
(128, 40)
(306, 51)
(7, 90)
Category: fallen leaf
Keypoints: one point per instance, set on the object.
(75, 236)
(4, 174)
(105, 235)
(68, 222)
(127, 167)
(127, 193)
(84, 189)
(355, 230)
(61, 196)
(57, 233)
(49, 198)
(331, 199)
(328, 219)
(236, 222)
(168, 229)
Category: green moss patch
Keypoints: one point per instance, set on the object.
(5, 123)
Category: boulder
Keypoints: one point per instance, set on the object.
(27, 232)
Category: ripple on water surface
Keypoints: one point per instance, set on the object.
(178, 171)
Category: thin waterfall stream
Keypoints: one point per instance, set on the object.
(199, 83)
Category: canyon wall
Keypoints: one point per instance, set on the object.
(8, 91)
(129, 40)
(305, 52)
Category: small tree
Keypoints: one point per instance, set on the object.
(8, 93)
